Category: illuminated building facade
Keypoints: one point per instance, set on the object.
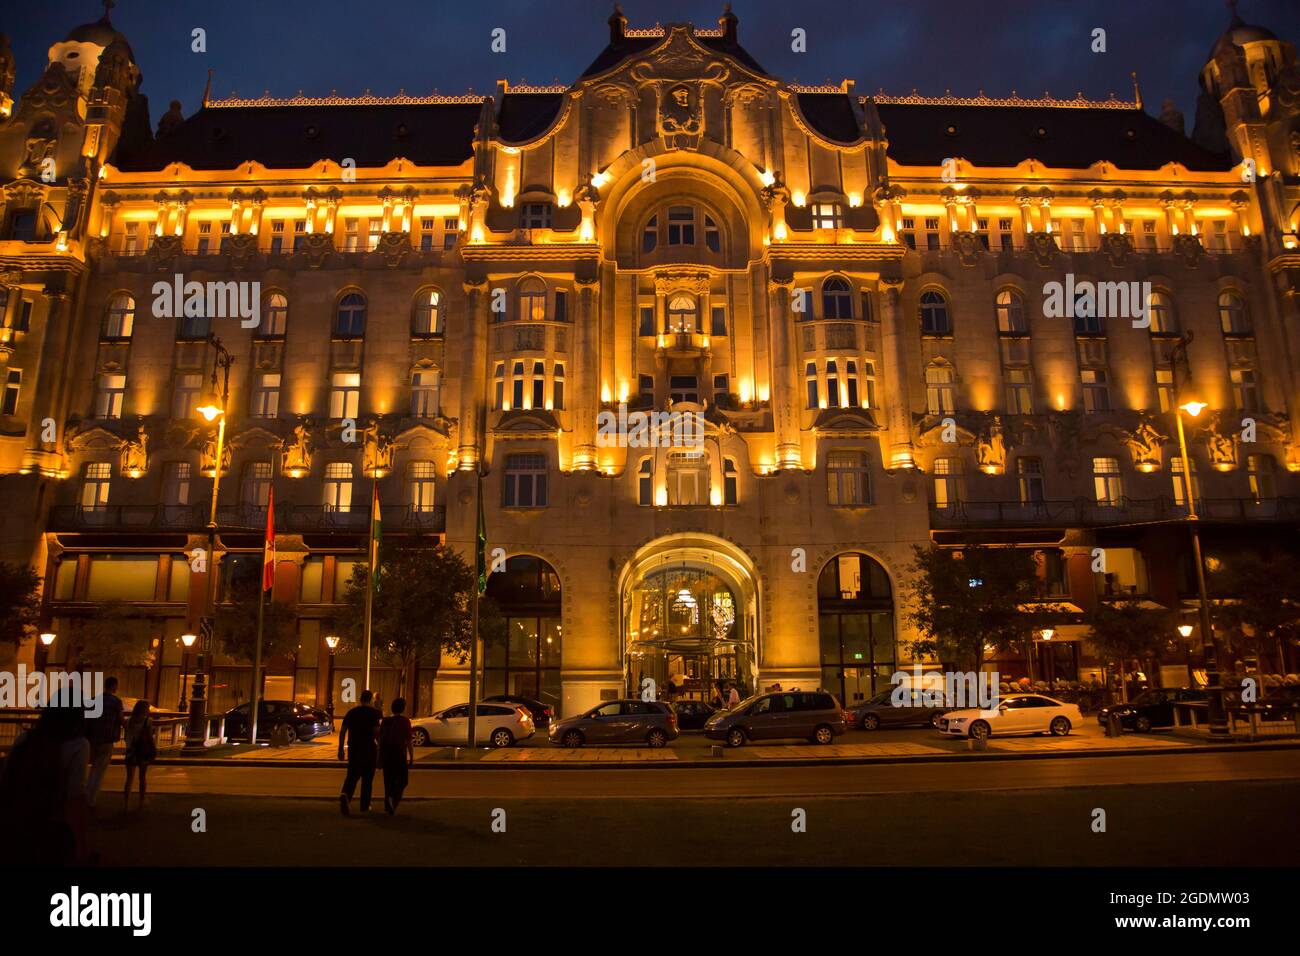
(852, 291)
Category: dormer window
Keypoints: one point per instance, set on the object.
(827, 215)
(535, 215)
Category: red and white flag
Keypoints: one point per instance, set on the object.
(268, 546)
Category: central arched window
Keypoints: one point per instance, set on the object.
(1233, 317)
(275, 316)
(1010, 306)
(837, 299)
(120, 319)
(683, 314)
(428, 313)
(350, 320)
(855, 609)
(1160, 309)
(532, 300)
(935, 319)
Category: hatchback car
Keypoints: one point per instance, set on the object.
(1015, 714)
(541, 713)
(1152, 708)
(301, 722)
(692, 714)
(884, 711)
(812, 715)
(649, 722)
(498, 725)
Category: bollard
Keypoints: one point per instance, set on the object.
(1113, 728)
(977, 744)
(716, 750)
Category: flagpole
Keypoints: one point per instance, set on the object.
(479, 567)
(371, 571)
(267, 543)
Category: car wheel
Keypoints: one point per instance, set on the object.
(823, 735)
(870, 722)
(934, 720)
(980, 730)
(572, 739)
(657, 738)
(420, 737)
(735, 737)
(1060, 726)
(501, 737)
(1144, 725)
(290, 734)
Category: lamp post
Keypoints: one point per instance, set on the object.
(188, 640)
(1047, 634)
(1185, 632)
(43, 650)
(1186, 400)
(213, 408)
(332, 642)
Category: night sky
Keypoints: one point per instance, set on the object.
(1030, 46)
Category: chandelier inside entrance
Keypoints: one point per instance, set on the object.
(682, 609)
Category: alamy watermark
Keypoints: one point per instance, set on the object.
(626, 429)
(952, 689)
(1101, 300)
(212, 300)
(84, 690)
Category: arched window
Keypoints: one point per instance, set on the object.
(645, 482)
(1233, 316)
(683, 314)
(855, 608)
(837, 299)
(1160, 308)
(120, 319)
(428, 313)
(532, 300)
(712, 237)
(934, 314)
(650, 235)
(350, 323)
(275, 316)
(1010, 306)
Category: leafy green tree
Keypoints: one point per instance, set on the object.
(968, 600)
(1260, 607)
(1126, 630)
(20, 602)
(116, 636)
(237, 624)
(420, 609)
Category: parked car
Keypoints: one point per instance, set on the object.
(882, 711)
(302, 722)
(692, 714)
(1278, 703)
(1152, 708)
(541, 713)
(812, 715)
(1015, 714)
(650, 722)
(496, 724)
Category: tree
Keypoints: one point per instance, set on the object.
(973, 598)
(1261, 603)
(20, 602)
(237, 623)
(420, 609)
(114, 638)
(1126, 630)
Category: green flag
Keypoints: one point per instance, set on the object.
(376, 536)
(481, 562)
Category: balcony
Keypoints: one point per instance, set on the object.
(288, 518)
(683, 344)
(1084, 512)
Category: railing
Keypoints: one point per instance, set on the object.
(1082, 511)
(170, 729)
(240, 517)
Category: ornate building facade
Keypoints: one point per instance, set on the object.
(853, 293)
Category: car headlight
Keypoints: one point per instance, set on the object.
(958, 720)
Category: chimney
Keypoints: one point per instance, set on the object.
(728, 21)
(617, 24)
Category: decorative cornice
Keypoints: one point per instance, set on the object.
(1079, 102)
(366, 99)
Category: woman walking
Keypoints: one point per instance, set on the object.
(141, 749)
(395, 754)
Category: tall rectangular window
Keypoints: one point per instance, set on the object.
(947, 482)
(111, 396)
(832, 384)
(338, 486)
(255, 490)
(645, 482)
(421, 481)
(450, 231)
(524, 481)
(1029, 473)
(851, 383)
(185, 395)
(13, 385)
(1107, 486)
(95, 484)
(176, 484)
(498, 384)
(517, 385)
(827, 215)
(646, 320)
(810, 380)
(1020, 398)
(718, 321)
(1245, 389)
(1263, 484)
(424, 393)
(535, 215)
(1096, 393)
(539, 384)
(345, 394)
(426, 235)
(940, 391)
(557, 387)
(848, 480)
(730, 482)
(1165, 388)
(266, 395)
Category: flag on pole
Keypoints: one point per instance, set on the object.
(376, 536)
(481, 561)
(268, 546)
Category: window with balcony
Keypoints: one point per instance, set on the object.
(1029, 476)
(907, 232)
(299, 234)
(275, 316)
(947, 482)
(827, 215)
(266, 395)
(837, 299)
(428, 314)
(337, 487)
(345, 395)
(535, 215)
(1107, 485)
(688, 478)
(426, 234)
(683, 314)
(1261, 476)
(1177, 484)
(424, 393)
(848, 479)
(935, 319)
(524, 483)
(13, 387)
(186, 391)
(684, 388)
(940, 389)
(110, 396)
(1010, 307)
(450, 232)
(350, 318)
(96, 478)
(120, 318)
(1233, 317)
(421, 483)
(177, 476)
(255, 487)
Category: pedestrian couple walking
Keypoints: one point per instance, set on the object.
(374, 741)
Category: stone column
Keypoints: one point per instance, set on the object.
(586, 377)
(893, 347)
(785, 396)
(470, 444)
(49, 397)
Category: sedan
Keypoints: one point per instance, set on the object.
(1152, 708)
(497, 725)
(649, 722)
(300, 721)
(692, 714)
(1015, 714)
(884, 711)
(541, 713)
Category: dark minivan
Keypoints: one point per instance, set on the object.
(812, 715)
(911, 710)
(648, 722)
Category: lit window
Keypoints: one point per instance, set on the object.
(532, 300)
(688, 478)
(848, 479)
(120, 319)
(934, 314)
(1233, 317)
(1260, 472)
(1029, 473)
(1020, 395)
(428, 315)
(827, 215)
(421, 483)
(837, 299)
(1245, 389)
(524, 482)
(682, 314)
(940, 390)
(350, 321)
(424, 393)
(345, 394)
(1010, 306)
(338, 486)
(275, 316)
(947, 482)
(255, 489)
(266, 395)
(1165, 388)
(1096, 392)
(1160, 309)
(185, 395)
(95, 484)
(1176, 480)
(13, 385)
(1108, 489)
(111, 395)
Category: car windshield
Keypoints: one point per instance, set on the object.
(742, 705)
(882, 698)
(1149, 697)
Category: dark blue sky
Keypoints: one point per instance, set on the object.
(421, 45)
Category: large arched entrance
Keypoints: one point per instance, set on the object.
(855, 614)
(522, 632)
(689, 617)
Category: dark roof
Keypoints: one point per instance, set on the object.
(292, 137)
(1239, 32)
(830, 114)
(525, 116)
(101, 32)
(1065, 137)
(627, 47)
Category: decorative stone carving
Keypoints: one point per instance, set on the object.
(1118, 248)
(316, 248)
(1067, 428)
(208, 455)
(1189, 249)
(1042, 246)
(163, 253)
(135, 453)
(394, 247)
(1221, 449)
(378, 451)
(1144, 443)
(242, 249)
(968, 247)
(991, 448)
(298, 452)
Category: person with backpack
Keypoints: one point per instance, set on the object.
(141, 749)
(396, 754)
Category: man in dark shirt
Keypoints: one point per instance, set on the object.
(360, 731)
(103, 732)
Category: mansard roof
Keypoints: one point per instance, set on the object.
(526, 116)
(640, 42)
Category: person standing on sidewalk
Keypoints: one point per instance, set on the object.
(396, 754)
(103, 733)
(361, 725)
(141, 749)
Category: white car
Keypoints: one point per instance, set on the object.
(1015, 714)
(499, 725)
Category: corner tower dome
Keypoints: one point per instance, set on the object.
(80, 50)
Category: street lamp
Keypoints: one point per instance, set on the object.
(188, 640)
(1047, 634)
(332, 642)
(1190, 402)
(43, 657)
(212, 408)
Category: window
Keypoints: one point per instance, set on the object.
(688, 478)
(112, 393)
(1087, 316)
(1029, 472)
(1096, 394)
(532, 300)
(718, 321)
(712, 238)
(557, 387)
(827, 215)
(869, 378)
(682, 314)
(832, 384)
(176, 484)
(535, 215)
(94, 485)
(1177, 483)
(350, 321)
(498, 384)
(424, 393)
(1216, 236)
(517, 385)
(940, 391)
(426, 234)
(421, 482)
(646, 389)
(131, 239)
(524, 482)
(730, 482)
(275, 316)
(1260, 473)
(1245, 389)
(1107, 487)
(982, 232)
(195, 327)
(255, 488)
(851, 383)
(1006, 239)
(1076, 235)
(810, 379)
(22, 226)
(450, 232)
(345, 394)
(934, 314)
(721, 387)
(947, 482)
(867, 312)
(650, 235)
(1165, 388)
(907, 232)
(1160, 309)
(561, 305)
(539, 385)
(837, 299)
(376, 231)
(932, 232)
(848, 481)
(1020, 391)
(681, 226)
(185, 394)
(120, 319)
(428, 315)
(646, 320)
(1232, 314)
(13, 385)
(1150, 242)
(645, 482)
(683, 388)
(1010, 306)
(338, 486)
(265, 401)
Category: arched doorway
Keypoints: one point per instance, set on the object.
(689, 618)
(522, 634)
(855, 614)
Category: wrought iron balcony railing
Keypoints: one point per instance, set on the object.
(288, 518)
(1083, 511)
